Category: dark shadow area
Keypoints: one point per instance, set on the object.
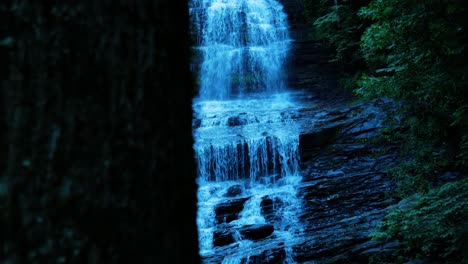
(96, 158)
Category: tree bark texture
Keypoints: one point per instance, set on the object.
(96, 157)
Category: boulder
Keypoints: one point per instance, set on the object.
(222, 237)
(234, 121)
(257, 231)
(234, 190)
(228, 211)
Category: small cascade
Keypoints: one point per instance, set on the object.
(251, 144)
(232, 146)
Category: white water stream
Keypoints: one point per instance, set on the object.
(244, 132)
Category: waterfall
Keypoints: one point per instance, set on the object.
(243, 45)
(246, 139)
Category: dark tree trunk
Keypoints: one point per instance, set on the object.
(96, 157)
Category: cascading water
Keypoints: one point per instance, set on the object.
(246, 141)
(243, 45)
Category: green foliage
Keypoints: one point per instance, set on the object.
(349, 80)
(415, 53)
(339, 25)
(417, 171)
(431, 226)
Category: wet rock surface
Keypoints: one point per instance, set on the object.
(225, 234)
(345, 187)
(256, 232)
(222, 237)
(344, 191)
(228, 211)
(271, 256)
(234, 190)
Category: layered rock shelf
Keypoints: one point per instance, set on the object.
(344, 191)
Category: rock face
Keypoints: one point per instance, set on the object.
(228, 211)
(222, 237)
(234, 190)
(225, 233)
(309, 63)
(272, 256)
(345, 187)
(296, 18)
(256, 232)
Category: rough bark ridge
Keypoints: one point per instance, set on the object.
(96, 151)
